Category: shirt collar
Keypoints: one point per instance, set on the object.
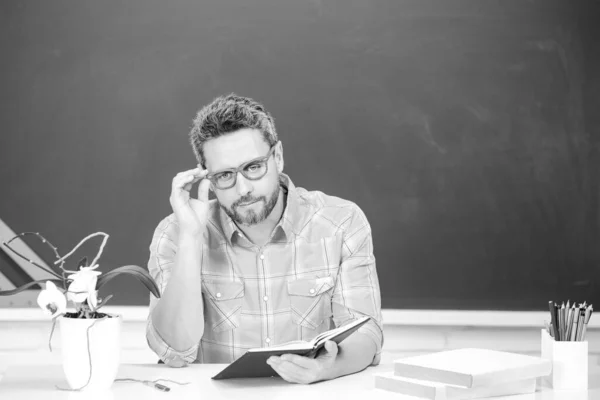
(288, 221)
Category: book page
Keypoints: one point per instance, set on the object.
(315, 342)
(295, 345)
(323, 337)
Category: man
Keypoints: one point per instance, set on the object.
(262, 264)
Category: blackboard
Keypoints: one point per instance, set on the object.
(465, 130)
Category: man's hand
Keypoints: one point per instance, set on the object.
(192, 214)
(297, 369)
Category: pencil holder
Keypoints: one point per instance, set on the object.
(569, 363)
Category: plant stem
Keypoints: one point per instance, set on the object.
(31, 261)
(82, 242)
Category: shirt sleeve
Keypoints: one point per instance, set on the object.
(356, 293)
(162, 255)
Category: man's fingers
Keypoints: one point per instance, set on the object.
(185, 179)
(304, 362)
(203, 190)
(290, 372)
(285, 377)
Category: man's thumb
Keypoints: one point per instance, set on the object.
(203, 187)
(331, 348)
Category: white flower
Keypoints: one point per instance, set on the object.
(52, 301)
(93, 299)
(84, 285)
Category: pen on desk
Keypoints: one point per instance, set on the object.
(574, 325)
(573, 313)
(565, 327)
(552, 309)
(562, 321)
(557, 312)
(558, 321)
(567, 315)
(569, 327)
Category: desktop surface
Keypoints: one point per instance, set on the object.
(21, 382)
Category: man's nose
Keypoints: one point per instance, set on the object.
(242, 185)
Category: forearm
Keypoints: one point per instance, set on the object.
(355, 354)
(178, 316)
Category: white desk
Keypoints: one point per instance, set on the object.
(22, 382)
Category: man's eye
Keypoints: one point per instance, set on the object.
(223, 176)
(253, 167)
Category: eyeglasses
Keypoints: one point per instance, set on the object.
(252, 170)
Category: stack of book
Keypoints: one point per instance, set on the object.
(460, 374)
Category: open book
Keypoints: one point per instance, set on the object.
(253, 364)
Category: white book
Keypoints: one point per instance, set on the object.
(439, 391)
(472, 367)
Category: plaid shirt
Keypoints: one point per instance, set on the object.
(317, 271)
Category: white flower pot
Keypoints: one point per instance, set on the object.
(104, 346)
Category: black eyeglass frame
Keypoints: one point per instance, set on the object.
(241, 168)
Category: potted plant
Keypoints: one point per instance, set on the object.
(90, 339)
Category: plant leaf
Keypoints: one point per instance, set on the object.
(28, 285)
(138, 272)
(104, 300)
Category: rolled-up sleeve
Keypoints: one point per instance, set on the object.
(162, 255)
(357, 291)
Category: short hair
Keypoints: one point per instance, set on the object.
(227, 114)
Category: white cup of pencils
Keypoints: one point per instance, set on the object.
(569, 322)
(563, 342)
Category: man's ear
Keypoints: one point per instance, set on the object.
(279, 156)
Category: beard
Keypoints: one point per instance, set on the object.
(251, 217)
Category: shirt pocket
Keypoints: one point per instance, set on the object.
(223, 303)
(310, 300)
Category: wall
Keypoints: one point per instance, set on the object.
(465, 130)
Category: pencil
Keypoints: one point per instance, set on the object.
(575, 324)
(570, 322)
(552, 309)
(563, 318)
(580, 324)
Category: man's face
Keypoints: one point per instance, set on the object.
(248, 202)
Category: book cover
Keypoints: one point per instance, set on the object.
(472, 367)
(253, 364)
(439, 391)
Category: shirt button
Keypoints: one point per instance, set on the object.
(218, 295)
(312, 291)
(262, 256)
(266, 298)
(268, 340)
